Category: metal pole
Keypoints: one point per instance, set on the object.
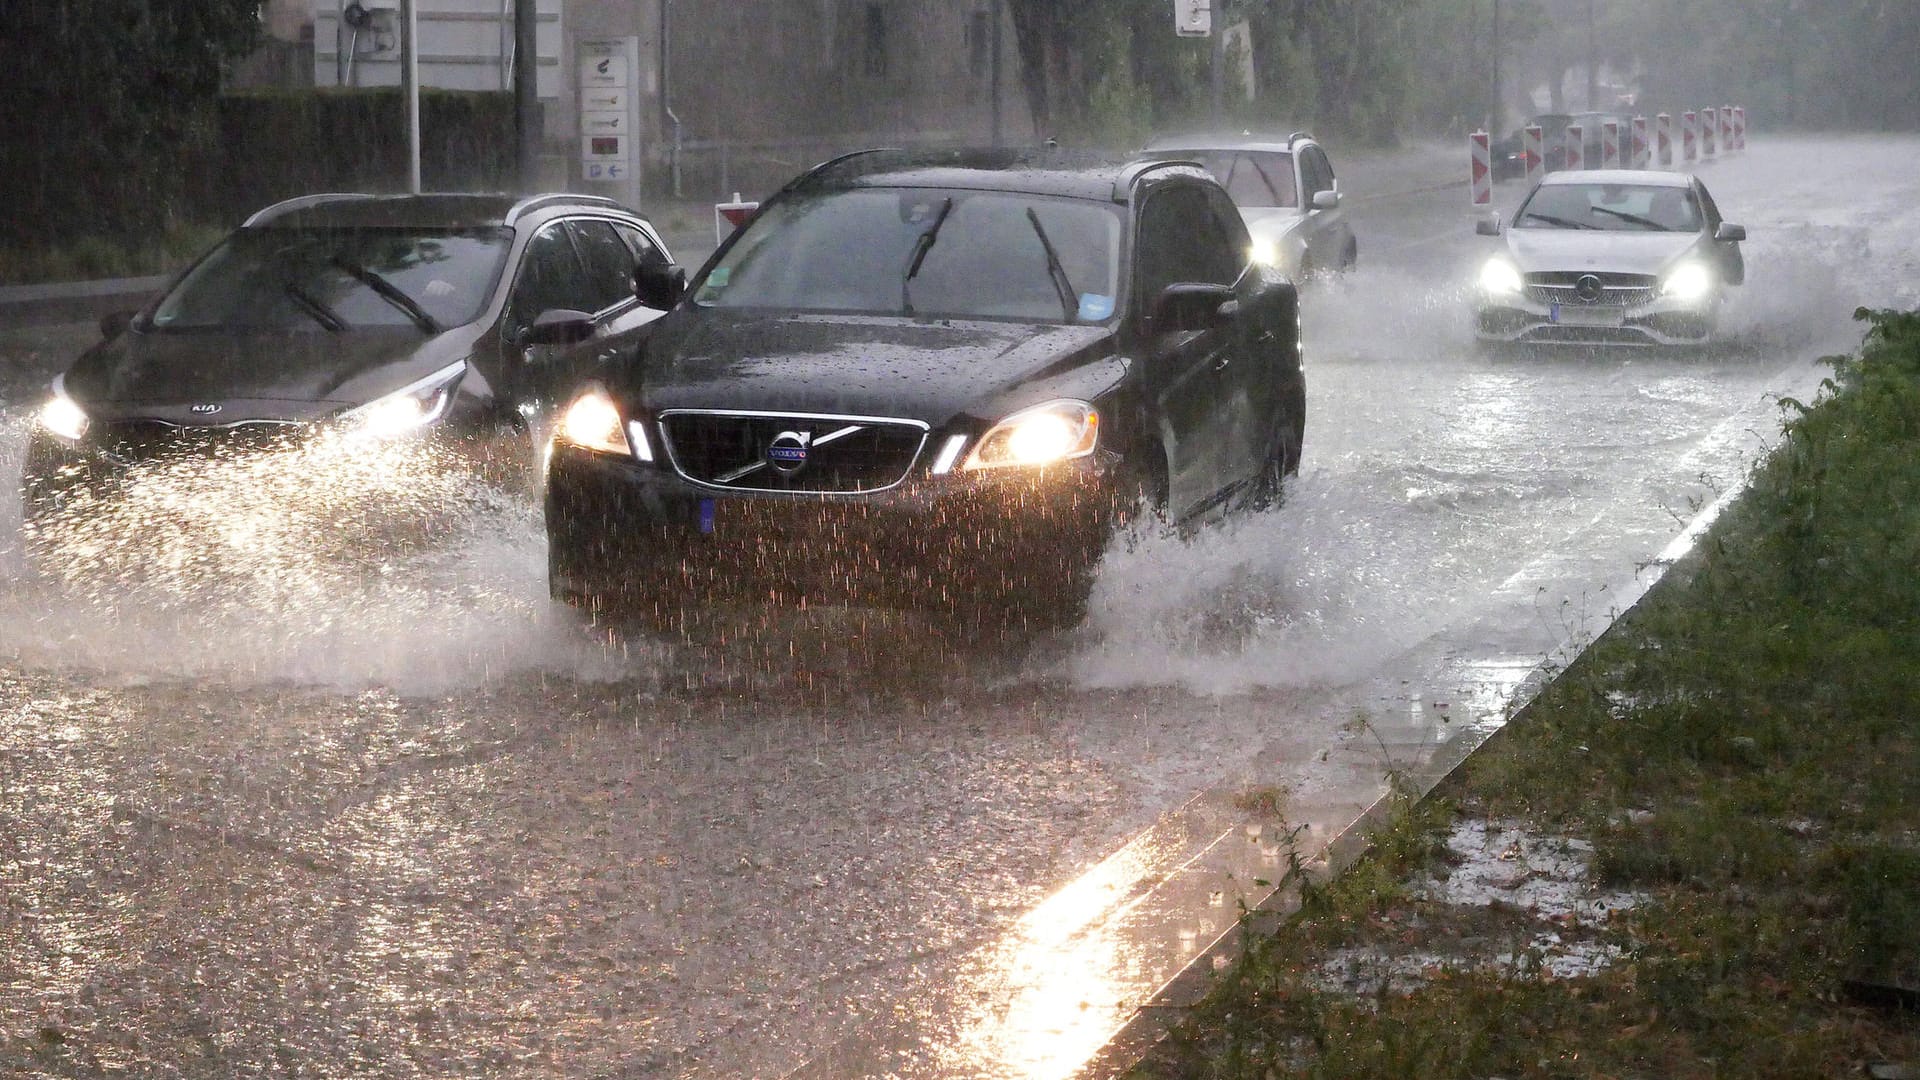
(666, 87)
(1218, 31)
(410, 78)
(1593, 62)
(1496, 125)
(526, 92)
(999, 12)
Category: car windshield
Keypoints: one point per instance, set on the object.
(280, 278)
(923, 251)
(1254, 179)
(1612, 207)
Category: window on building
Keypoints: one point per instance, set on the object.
(874, 55)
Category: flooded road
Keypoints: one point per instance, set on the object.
(330, 802)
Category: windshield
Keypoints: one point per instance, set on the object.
(934, 253)
(333, 279)
(1253, 178)
(1612, 207)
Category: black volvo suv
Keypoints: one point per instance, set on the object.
(934, 380)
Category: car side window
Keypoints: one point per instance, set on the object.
(608, 261)
(551, 277)
(643, 248)
(1706, 205)
(1181, 239)
(1316, 174)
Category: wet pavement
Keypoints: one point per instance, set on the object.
(288, 813)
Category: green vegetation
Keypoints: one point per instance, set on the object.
(91, 257)
(1743, 753)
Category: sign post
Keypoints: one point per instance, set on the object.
(609, 115)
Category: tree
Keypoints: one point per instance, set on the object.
(102, 100)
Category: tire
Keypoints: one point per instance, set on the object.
(1350, 257)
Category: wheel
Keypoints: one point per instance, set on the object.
(1350, 257)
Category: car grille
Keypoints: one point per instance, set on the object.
(789, 452)
(1616, 290)
(131, 441)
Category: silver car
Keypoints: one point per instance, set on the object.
(1610, 258)
(1287, 195)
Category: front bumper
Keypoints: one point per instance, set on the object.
(641, 535)
(1519, 319)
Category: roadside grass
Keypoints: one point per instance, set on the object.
(1743, 754)
(91, 257)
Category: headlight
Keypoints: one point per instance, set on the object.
(62, 416)
(407, 409)
(1689, 281)
(593, 421)
(1042, 435)
(1499, 278)
(1264, 251)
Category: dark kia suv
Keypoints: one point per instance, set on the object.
(935, 380)
(358, 317)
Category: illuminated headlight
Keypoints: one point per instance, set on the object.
(1042, 435)
(1499, 278)
(408, 409)
(1689, 281)
(593, 421)
(62, 417)
(1265, 252)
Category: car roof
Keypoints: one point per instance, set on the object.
(436, 210)
(1642, 177)
(1043, 171)
(1269, 143)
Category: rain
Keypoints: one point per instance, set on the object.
(304, 771)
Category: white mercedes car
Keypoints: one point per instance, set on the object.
(1610, 258)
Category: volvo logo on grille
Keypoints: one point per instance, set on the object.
(1587, 288)
(205, 409)
(787, 452)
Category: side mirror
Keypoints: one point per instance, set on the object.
(561, 326)
(1730, 233)
(659, 285)
(1488, 226)
(115, 323)
(1191, 305)
(1326, 200)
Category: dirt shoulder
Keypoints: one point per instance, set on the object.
(1696, 854)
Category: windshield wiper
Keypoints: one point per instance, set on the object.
(1635, 218)
(389, 292)
(1061, 283)
(319, 311)
(921, 245)
(1564, 223)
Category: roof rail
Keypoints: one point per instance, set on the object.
(301, 202)
(553, 198)
(1131, 174)
(1297, 136)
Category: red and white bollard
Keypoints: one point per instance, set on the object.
(1610, 144)
(1641, 154)
(1726, 130)
(1689, 136)
(1663, 139)
(1739, 127)
(1576, 147)
(1709, 128)
(1531, 148)
(1481, 186)
(728, 216)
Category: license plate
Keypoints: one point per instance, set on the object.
(707, 514)
(1585, 316)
